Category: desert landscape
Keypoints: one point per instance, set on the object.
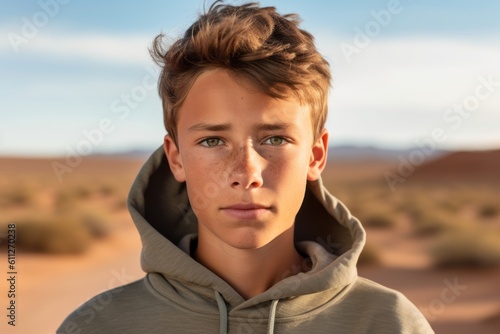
(433, 232)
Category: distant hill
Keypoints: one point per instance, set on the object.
(132, 154)
(461, 166)
(364, 153)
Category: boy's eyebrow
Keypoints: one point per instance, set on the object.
(274, 126)
(225, 127)
(209, 127)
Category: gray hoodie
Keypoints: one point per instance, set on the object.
(179, 295)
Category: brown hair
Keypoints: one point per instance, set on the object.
(255, 42)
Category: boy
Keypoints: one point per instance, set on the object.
(239, 235)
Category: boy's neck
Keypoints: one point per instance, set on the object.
(252, 271)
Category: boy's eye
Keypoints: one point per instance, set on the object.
(210, 142)
(275, 141)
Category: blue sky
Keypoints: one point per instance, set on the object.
(405, 72)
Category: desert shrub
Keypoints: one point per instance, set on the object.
(107, 189)
(488, 210)
(60, 235)
(431, 221)
(467, 246)
(64, 232)
(81, 191)
(17, 195)
(378, 218)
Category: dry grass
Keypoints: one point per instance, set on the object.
(467, 246)
(70, 231)
(431, 222)
(460, 221)
(63, 217)
(489, 209)
(380, 217)
(21, 195)
(53, 234)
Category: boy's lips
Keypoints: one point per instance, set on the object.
(245, 210)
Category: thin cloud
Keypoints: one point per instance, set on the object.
(421, 73)
(121, 49)
(397, 90)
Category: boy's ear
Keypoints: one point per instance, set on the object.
(174, 158)
(318, 158)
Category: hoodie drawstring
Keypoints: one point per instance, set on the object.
(222, 313)
(221, 304)
(272, 317)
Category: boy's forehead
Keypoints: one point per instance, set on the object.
(219, 100)
(216, 82)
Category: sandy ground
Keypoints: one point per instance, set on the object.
(453, 300)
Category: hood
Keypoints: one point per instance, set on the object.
(324, 229)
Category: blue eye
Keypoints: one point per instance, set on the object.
(275, 141)
(210, 142)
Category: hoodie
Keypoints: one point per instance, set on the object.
(179, 295)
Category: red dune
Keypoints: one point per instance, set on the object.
(464, 166)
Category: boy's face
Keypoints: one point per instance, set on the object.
(245, 158)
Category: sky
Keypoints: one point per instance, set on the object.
(76, 76)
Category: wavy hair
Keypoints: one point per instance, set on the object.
(267, 48)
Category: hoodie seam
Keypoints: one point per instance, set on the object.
(173, 303)
(312, 313)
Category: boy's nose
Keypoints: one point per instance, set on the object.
(247, 169)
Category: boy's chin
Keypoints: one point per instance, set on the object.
(249, 243)
(251, 240)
